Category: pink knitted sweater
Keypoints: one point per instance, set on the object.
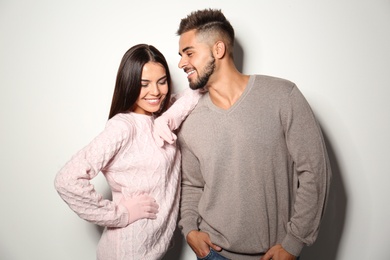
(125, 152)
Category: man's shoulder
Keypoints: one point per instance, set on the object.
(271, 84)
(272, 80)
(201, 115)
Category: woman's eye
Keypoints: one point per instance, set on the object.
(163, 82)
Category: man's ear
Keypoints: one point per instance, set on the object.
(219, 49)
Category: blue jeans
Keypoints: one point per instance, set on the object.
(215, 256)
(212, 256)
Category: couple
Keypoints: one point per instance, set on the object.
(252, 174)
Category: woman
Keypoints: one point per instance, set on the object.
(143, 176)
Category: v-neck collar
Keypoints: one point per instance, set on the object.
(248, 87)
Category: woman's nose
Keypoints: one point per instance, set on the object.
(155, 90)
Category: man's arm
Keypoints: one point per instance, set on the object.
(307, 147)
(192, 189)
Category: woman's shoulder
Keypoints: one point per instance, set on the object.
(131, 121)
(120, 119)
(121, 122)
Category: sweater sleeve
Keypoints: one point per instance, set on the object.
(307, 147)
(192, 189)
(183, 104)
(72, 182)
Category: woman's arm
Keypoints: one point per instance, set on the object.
(172, 118)
(73, 181)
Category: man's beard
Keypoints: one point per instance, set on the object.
(202, 81)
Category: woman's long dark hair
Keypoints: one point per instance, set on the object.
(128, 80)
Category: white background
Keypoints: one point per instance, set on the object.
(58, 62)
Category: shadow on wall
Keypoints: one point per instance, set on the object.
(238, 55)
(175, 251)
(327, 244)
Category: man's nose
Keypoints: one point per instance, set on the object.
(182, 63)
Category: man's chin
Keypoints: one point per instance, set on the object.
(196, 86)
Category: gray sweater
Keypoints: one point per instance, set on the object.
(257, 174)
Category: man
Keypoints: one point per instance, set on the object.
(255, 171)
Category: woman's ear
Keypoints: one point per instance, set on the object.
(219, 49)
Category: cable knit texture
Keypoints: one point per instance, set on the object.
(125, 152)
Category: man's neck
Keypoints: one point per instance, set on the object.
(227, 88)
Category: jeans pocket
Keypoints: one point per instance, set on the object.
(213, 256)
